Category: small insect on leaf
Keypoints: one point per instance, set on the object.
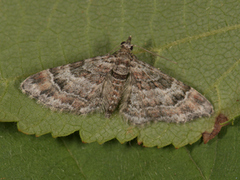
(142, 92)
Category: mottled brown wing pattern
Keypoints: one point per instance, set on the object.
(73, 87)
(103, 83)
(151, 95)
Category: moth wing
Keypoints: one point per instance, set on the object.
(151, 95)
(75, 87)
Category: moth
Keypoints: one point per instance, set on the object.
(141, 92)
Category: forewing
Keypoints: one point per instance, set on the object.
(151, 95)
(73, 87)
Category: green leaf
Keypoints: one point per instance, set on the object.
(202, 37)
(28, 157)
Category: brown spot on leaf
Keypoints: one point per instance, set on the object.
(140, 142)
(217, 128)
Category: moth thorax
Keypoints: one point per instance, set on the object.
(121, 70)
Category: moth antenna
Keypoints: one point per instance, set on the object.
(113, 50)
(128, 41)
(155, 54)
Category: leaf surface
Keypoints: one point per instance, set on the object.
(202, 37)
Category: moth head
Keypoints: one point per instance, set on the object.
(127, 44)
